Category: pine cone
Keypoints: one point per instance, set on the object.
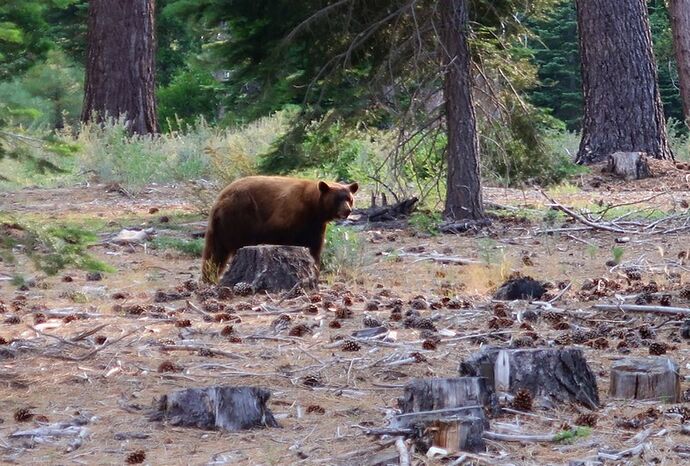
(588, 419)
(350, 345)
(316, 409)
(425, 324)
(281, 322)
(651, 287)
(371, 306)
(396, 315)
(501, 310)
(523, 400)
(310, 309)
(429, 345)
(647, 332)
(312, 380)
(657, 349)
(419, 303)
(665, 300)
(335, 324)
(499, 322)
(136, 457)
(23, 415)
(633, 274)
(242, 289)
(369, 321)
(343, 312)
(299, 330)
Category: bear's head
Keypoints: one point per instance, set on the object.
(337, 199)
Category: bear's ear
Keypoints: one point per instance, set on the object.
(354, 187)
(323, 187)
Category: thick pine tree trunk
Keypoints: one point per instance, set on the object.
(680, 24)
(120, 63)
(623, 109)
(463, 192)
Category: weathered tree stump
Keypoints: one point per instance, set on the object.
(454, 407)
(272, 268)
(652, 378)
(552, 373)
(629, 165)
(229, 408)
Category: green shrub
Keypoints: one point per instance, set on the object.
(426, 222)
(191, 93)
(50, 247)
(530, 148)
(343, 251)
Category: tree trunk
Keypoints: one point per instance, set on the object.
(623, 110)
(463, 191)
(679, 11)
(120, 65)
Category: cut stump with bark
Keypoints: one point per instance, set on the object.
(212, 408)
(452, 407)
(629, 165)
(549, 374)
(272, 268)
(652, 378)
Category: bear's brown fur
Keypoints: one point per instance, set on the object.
(272, 210)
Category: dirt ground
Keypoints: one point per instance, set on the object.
(110, 377)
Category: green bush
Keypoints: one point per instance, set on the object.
(191, 93)
(426, 222)
(530, 148)
(343, 251)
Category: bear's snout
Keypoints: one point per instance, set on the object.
(344, 212)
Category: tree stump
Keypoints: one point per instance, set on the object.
(211, 408)
(552, 373)
(453, 407)
(272, 268)
(629, 165)
(652, 378)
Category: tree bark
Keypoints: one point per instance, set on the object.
(120, 64)
(623, 110)
(463, 190)
(679, 11)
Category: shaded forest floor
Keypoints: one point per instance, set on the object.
(142, 317)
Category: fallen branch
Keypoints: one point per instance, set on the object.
(644, 309)
(402, 451)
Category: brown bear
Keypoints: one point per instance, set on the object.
(272, 210)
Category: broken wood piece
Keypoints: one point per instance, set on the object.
(229, 408)
(651, 378)
(463, 433)
(272, 268)
(560, 374)
(629, 165)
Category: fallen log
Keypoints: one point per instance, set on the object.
(389, 212)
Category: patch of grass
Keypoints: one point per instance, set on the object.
(617, 253)
(564, 188)
(18, 280)
(573, 434)
(343, 251)
(425, 222)
(192, 247)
